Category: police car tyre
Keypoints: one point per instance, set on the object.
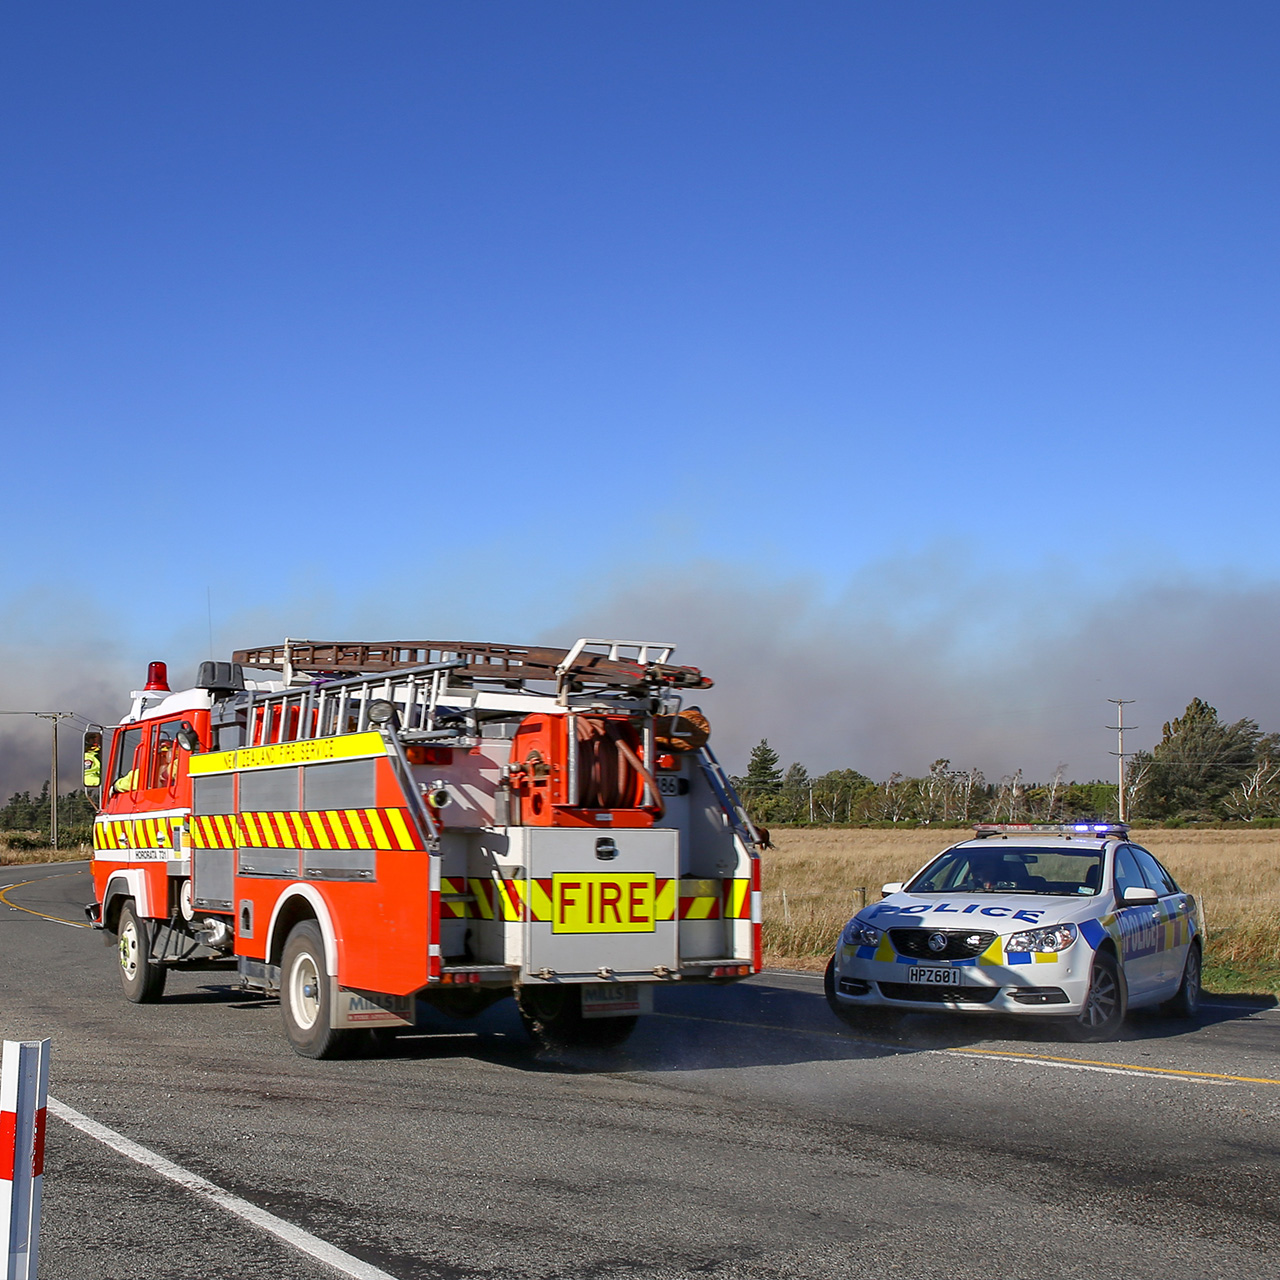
(553, 1017)
(1186, 1003)
(829, 990)
(858, 1017)
(305, 995)
(143, 981)
(1106, 1004)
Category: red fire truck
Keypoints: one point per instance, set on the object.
(367, 828)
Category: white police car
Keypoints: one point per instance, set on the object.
(1073, 921)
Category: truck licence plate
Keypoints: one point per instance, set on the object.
(935, 977)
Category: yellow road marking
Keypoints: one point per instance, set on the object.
(75, 924)
(1114, 1066)
(1117, 1067)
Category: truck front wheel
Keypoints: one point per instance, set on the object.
(305, 997)
(143, 981)
(552, 1015)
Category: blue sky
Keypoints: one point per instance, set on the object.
(501, 320)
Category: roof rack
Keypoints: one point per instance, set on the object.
(624, 664)
(983, 829)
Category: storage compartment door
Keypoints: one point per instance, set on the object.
(601, 900)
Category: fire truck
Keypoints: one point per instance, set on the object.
(369, 830)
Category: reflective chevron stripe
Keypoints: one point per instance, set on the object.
(313, 829)
(138, 833)
(700, 899)
(737, 899)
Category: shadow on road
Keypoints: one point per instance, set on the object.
(756, 1024)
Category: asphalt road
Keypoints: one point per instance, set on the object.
(740, 1133)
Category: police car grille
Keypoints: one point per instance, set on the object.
(922, 994)
(962, 944)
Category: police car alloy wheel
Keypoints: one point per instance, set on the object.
(1068, 922)
(1105, 1005)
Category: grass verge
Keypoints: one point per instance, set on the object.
(30, 857)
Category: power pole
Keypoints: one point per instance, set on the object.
(54, 716)
(1121, 755)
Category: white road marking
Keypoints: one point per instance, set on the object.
(301, 1240)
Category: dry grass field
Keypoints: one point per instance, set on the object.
(812, 880)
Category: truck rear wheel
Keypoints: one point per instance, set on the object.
(143, 981)
(552, 1015)
(305, 995)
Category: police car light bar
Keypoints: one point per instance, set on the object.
(1053, 828)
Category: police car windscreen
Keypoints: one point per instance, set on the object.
(1069, 872)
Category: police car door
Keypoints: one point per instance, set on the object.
(1175, 918)
(1139, 928)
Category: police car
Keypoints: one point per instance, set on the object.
(1074, 922)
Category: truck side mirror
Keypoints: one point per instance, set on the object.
(92, 759)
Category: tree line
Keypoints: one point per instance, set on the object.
(24, 821)
(1202, 770)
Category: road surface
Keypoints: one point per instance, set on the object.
(740, 1133)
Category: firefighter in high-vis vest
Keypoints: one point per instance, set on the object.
(92, 761)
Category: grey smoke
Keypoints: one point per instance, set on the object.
(921, 659)
(916, 659)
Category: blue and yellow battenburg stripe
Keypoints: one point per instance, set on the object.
(994, 955)
(1166, 936)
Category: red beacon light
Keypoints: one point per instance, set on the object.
(157, 678)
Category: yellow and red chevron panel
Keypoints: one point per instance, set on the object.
(463, 899)
(312, 829)
(136, 833)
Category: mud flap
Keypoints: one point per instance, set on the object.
(369, 1009)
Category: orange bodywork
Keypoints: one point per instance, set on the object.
(387, 929)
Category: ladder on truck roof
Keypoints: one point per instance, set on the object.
(624, 663)
(422, 705)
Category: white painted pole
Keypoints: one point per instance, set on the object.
(24, 1090)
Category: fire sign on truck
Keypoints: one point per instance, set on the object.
(368, 828)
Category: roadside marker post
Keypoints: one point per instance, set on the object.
(24, 1090)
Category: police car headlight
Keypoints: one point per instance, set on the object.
(1057, 938)
(857, 934)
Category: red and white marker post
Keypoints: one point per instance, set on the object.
(24, 1088)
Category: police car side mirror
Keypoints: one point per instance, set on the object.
(1135, 897)
(894, 886)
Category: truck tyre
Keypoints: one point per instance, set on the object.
(305, 995)
(859, 1018)
(1186, 1003)
(143, 981)
(1105, 1006)
(552, 1015)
